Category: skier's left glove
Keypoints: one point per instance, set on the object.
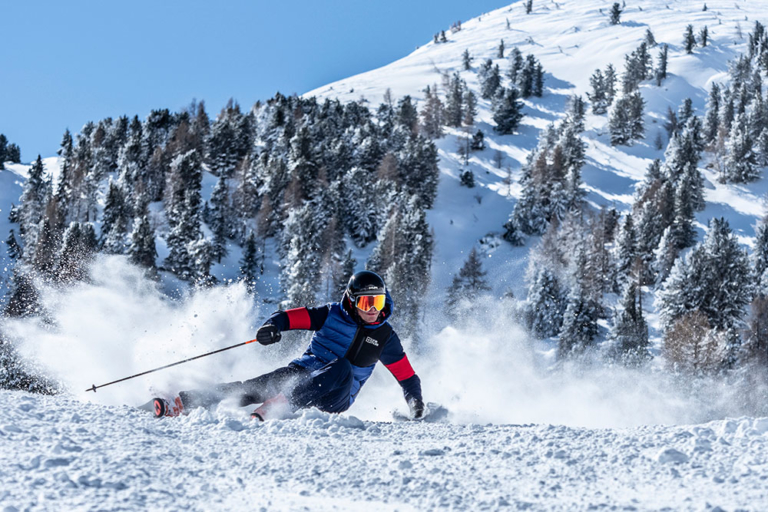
(417, 408)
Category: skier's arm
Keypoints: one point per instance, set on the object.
(290, 319)
(394, 358)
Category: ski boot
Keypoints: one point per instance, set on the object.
(163, 407)
(275, 408)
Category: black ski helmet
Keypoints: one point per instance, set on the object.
(365, 282)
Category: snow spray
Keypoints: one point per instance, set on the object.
(484, 369)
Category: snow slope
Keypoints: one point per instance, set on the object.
(61, 454)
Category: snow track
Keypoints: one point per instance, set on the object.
(57, 453)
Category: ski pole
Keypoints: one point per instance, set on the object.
(94, 387)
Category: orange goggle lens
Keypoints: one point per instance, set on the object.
(366, 302)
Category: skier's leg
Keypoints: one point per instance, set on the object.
(328, 388)
(250, 391)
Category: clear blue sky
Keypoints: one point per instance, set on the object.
(65, 63)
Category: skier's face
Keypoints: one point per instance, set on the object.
(369, 316)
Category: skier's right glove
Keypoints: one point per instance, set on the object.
(268, 334)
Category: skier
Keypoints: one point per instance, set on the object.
(350, 337)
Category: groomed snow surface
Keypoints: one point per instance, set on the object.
(61, 454)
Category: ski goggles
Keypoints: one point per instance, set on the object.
(366, 302)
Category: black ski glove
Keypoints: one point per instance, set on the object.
(417, 408)
(268, 334)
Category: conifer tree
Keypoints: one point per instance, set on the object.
(579, 325)
(508, 112)
(740, 165)
(528, 6)
(661, 71)
(249, 263)
(470, 107)
(650, 40)
(712, 122)
(469, 283)
(626, 248)
(406, 114)
(490, 81)
(12, 247)
(478, 141)
(628, 335)
(610, 83)
(545, 305)
(218, 218)
(713, 278)
(142, 250)
(432, 114)
(516, 63)
(598, 94)
(34, 198)
(689, 40)
(466, 60)
(114, 221)
(500, 50)
(616, 14)
(626, 119)
(704, 37)
(665, 255)
(574, 115)
(454, 102)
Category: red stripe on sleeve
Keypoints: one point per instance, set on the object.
(402, 369)
(298, 318)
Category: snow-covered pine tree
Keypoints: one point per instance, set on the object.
(34, 198)
(615, 15)
(714, 278)
(650, 39)
(740, 165)
(12, 247)
(490, 79)
(579, 325)
(625, 251)
(760, 251)
(469, 283)
(665, 255)
(704, 37)
(454, 101)
(712, 119)
(574, 115)
(598, 95)
(508, 112)
(142, 250)
(470, 107)
(626, 119)
(432, 114)
(500, 50)
(406, 114)
(545, 304)
(610, 83)
(628, 335)
(114, 221)
(218, 217)
(689, 40)
(361, 209)
(661, 70)
(516, 63)
(466, 60)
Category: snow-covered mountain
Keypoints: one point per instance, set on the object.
(501, 446)
(572, 40)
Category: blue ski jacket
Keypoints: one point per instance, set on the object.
(336, 327)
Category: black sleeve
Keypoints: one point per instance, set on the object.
(300, 318)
